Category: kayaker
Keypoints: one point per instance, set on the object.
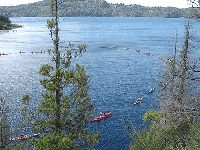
(21, 133)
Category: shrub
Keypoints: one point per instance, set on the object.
(4, 19)
(1, 25)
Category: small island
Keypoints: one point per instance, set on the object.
(5, 24)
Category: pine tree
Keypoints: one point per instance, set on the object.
(63, 114)
(4, 126)
(179, 98)
(172, 127)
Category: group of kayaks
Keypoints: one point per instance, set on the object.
(98, 118)
(139, 100)
(24, 137)
(108, 114)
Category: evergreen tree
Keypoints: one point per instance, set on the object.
(4, 126)
(5, 23)
(4, 19)
(175, 125)
(63, 114)
(172, 127)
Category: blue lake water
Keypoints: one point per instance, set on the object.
(117, 76)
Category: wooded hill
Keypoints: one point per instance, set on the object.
(94, 8)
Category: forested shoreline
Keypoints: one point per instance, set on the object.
(95, 8)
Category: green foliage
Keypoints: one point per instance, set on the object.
(82, 47)
(175, 125)
(65, 109)
(26, 98)
(52, 3)
(152, 115)
(1, 25)
(45, 70)
(17, 146)
(4, 20)
(146, 140)
(5, 23)
(51, 24)
(159, 137)
(4, 126)
(55, 141)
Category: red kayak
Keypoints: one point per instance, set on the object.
(103, 116)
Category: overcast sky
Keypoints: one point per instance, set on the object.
(173, 3)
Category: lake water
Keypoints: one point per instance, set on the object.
(118, 76)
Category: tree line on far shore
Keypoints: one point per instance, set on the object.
(95, 8)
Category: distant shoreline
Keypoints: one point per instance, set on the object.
(91, 8)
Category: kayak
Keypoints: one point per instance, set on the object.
(138, 101)
(151, 90)
(103, 116)
(24, 137)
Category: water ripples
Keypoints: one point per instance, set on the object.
(117, 76)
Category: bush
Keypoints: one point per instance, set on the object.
(1, 25)
(4, 19)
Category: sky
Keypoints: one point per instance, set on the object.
(16, 2)
(164, 3)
